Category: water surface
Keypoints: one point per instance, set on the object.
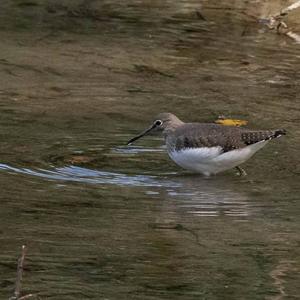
(106, 221)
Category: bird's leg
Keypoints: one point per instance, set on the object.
(241, 171)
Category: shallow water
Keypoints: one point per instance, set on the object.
(105, 221)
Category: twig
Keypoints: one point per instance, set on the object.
(20, 269)
(20, 273)
(291, 7)
(276, 21)
(284, 12)
(294, 36)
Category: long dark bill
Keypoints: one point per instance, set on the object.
(141, 134)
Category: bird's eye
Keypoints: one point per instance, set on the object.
(158, 122)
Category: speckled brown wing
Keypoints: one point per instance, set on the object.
(196, 135)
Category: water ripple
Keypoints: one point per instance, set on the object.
(194, 195)
(137, 149)
(84, 175)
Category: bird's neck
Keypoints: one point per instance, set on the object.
(171, 127)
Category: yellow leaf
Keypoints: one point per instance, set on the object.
(231, 122)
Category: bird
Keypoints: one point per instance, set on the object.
(208, 148)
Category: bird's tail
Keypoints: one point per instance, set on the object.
(278, 133)
(252, 137)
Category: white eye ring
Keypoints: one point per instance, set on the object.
(158, 123)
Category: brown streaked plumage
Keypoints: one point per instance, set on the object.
(207, 147)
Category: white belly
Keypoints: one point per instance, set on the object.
(211, 160)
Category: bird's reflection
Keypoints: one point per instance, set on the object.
(215, 196)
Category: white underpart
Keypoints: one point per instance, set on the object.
(211, 160)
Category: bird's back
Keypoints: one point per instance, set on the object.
(199, 135)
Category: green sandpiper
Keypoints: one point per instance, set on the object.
(208, 148)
